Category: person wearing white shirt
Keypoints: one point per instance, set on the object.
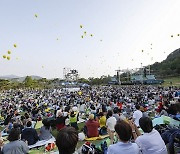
(82, 107)
(151, 141)
(124, 146)
(110, 123)
(137, 115)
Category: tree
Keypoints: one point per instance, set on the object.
(28, 82)
(83, 80)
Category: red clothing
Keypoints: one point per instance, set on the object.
(92, 128)
(160, 106)
(60, 123)
(119, 104)
(60, 126)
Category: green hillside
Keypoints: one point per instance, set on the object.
(170, 67)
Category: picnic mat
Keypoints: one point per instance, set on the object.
(165, 120)
(42, 143)
(97, 138)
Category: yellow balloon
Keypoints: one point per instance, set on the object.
(9, 52)
(91, 35)
(84, 33)
(178, 34)
(36, 15)
(8, 58)
(81, 26)
(82, 36)
(15, 45)
(4, 56)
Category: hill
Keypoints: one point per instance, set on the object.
(18, 78)
(170, 67)
(6, 77)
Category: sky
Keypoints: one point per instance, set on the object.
(52, 41)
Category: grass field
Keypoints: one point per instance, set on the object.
(54, 133)
(173, 81)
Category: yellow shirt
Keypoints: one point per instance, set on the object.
(102, 121)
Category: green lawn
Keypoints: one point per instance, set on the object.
(175, 81)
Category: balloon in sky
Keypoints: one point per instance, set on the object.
(81, 26)
(15, 45)
(36, 15)
(142, 50)
(4, 56)
(8, 58)
(82, 36)
(171, 35)
(84, 33)
(91, 35)
(178, 34)
(9, 52)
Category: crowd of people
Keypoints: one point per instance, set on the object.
(119, 112)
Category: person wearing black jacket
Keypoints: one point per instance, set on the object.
(29, 134)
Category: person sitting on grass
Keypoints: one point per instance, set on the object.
(15, 146)
(124, 146)
(66, 140)
(110, 123)
(92, 127)
(151, 141)
(74, 119)
(29, 134)
(45, 130)
(60, 121)
(102, 122)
